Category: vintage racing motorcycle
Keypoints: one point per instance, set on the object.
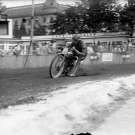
(63, 63)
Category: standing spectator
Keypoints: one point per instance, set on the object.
(49, 47)
(54, 46)
(45, 48)
(2, 54)
(125, 46)
(40, 48)
(130, 45)
(90, 50)
(17, 49)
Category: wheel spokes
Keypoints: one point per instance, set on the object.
(57, 67)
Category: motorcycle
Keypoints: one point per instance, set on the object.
(62, 63)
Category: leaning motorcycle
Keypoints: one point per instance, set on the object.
(62, 63)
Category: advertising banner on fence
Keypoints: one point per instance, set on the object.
(107, 57)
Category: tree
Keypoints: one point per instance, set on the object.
(2, 8)
(83, 18)
(69, 22)
(127, 18)
(23, 28)
(38, 31)
(92, 3)
(131, 2)
(101, 16)
(16, 31)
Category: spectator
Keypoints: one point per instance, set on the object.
(129, 45)
(90, 50)
(44, 47)
(49, 47)
(2, 53)
(54, 46)
(17, 49)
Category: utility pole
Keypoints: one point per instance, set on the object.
(32, 32)
(32, 22)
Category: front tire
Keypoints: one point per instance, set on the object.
(57, 66)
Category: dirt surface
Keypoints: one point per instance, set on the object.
(25, 85)
(120, 122)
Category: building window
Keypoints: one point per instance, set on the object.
(3, 27)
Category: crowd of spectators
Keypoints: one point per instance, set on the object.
(50, 47)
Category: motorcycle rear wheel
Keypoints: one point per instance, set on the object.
(57, 66)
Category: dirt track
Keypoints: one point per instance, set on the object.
(23, 86)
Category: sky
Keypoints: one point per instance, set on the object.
(13, 3)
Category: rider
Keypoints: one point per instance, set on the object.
(79, 50)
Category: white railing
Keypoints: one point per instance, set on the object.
(82, 35)
(9, 46)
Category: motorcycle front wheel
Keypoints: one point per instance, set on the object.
(57, 66)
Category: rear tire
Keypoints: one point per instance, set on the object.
(57, 66)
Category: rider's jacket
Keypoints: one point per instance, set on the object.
(79, 46)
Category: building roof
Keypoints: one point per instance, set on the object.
(40, 10)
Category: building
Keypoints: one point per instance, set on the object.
(5, 29)
(44, 14)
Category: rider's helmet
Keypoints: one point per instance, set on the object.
(75, 38)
